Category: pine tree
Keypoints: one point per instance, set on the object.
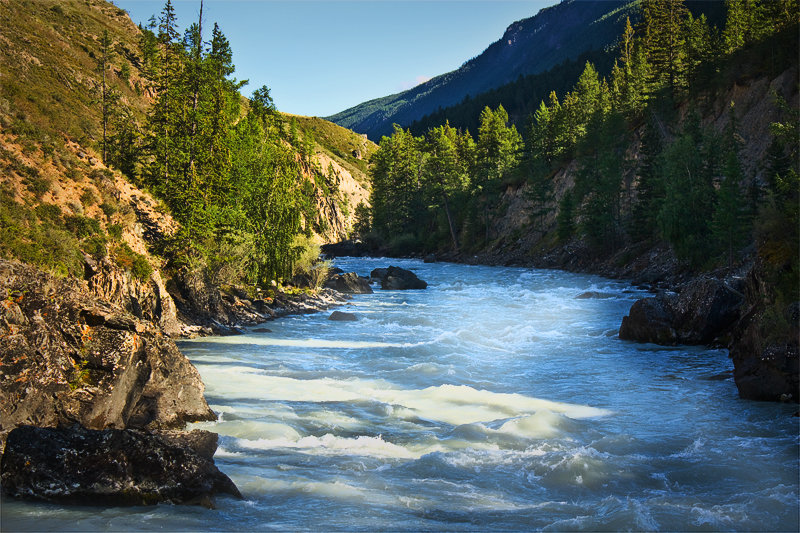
(109, 98)
(664, 34)
(730, 223)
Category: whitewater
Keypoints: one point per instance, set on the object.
(497, 399)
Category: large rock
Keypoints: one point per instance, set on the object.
(765, 345)
(701, 313)
(349, 283)
(68, 357)
(341, 316)
(649, 320)
(111, 467)
(399, 279)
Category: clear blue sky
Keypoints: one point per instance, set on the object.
(320, 57)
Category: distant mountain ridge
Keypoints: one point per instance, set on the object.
(529, 46)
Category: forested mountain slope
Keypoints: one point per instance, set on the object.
(682, 161)
(136, 145)
(536, 44)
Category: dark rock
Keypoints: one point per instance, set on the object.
(430, 258)
(349, 248)
(378, 273)
(648, 321)
(349, 283)
(66, 357)
(593, 295)
(332, 271)
(262, 330)
(111, 467)
(341, 316)
(705, 309)
(399, 279)
(766, 355)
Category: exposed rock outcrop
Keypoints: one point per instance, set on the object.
(766, 368)
(398, 279)
(112, 466)
(349, 283)
(704, 309)
(68, 357)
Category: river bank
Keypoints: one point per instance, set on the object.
(496, 399)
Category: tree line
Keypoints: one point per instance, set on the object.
(686, 185)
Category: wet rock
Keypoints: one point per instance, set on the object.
(341, 316)
(335, 270)
(766, 355)
(349, 283)
(649, 320)
(704, 310)
(701, 313)
(262, 330)
(593, 295)
(399, 279)
(430, 258)
(75, 465)
(378, 273)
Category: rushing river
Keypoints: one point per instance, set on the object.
(497, 399)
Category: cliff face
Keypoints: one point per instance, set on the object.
(70, 357)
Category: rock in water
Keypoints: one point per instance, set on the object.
(110, 467)
(648, 321)
(399, 279)
(349, 283)
(704, 310)
(341, 316)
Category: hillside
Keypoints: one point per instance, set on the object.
(63, 209)
(536, 44)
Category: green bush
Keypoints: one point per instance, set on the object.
(38, 185)
(95, 246)
(88, 198)
(108, 208)
(49, 213)
(133, 262)
(82, 226)
(115, 231)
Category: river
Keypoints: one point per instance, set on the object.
(497, 399)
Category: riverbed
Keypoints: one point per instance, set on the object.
(496, 399)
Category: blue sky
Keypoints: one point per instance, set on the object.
(320, 57)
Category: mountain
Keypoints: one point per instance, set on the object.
(556, 34)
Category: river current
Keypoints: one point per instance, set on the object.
(497, 399)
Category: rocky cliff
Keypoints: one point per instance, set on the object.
(70, 357)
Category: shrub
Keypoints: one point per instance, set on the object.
(38, 185)
(88, 198)
(115, 231)
(82, 226)
(95, 246)
(49, 213)
(133, 262)
(108, 208)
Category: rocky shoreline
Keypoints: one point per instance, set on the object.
(94, 393)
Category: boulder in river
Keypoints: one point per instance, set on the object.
(349, 283)
(398, 279)
(75, 465)
(704, 310)
(341, 316)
